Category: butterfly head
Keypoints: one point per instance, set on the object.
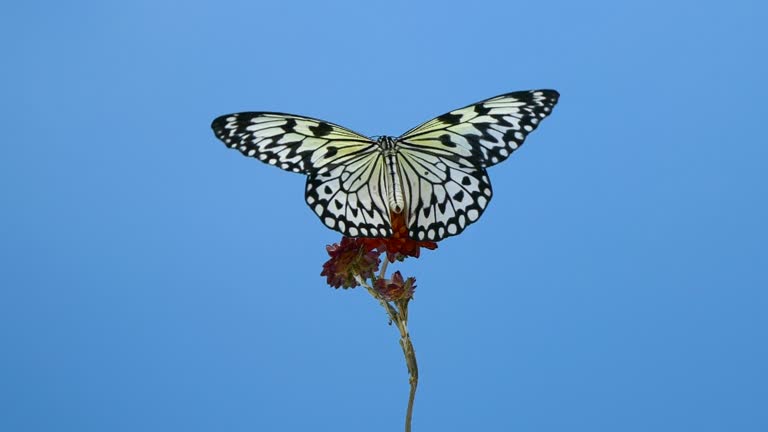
(386, 143)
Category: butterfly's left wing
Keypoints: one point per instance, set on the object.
(484, 133)
(346, 187)
(351, 198)
(291, 142)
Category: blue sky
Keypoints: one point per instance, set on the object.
(153, 280)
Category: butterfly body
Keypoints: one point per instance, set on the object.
(435, 174)
(388, 148)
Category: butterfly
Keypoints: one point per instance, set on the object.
(434, 174)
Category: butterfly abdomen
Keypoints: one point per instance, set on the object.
(388, 148)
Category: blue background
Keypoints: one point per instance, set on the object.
(153, 280)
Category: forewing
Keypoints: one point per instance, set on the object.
(350, 198)
(484, 133)
(443, 195)
(291, 142)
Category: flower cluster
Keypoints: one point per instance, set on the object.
(399, 246)
(349, 259)
(396, 288)
(358, 258)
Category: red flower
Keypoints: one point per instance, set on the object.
(399, 245)
(396, 288)
(349, 259)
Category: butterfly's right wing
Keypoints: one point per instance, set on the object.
(484, 133)
(345, 185)
(443, 161)
(444, 194)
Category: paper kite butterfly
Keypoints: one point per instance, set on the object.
(435, 173)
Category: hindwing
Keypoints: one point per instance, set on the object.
(351, 198)
(443, 195)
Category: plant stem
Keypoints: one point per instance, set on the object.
(413, 369)
(399, 316)
(384, 267)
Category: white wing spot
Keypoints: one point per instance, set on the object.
(330, 222)
(482, 202)
(528, 128)
(503, 152)
(487, 191)
(352, 231)
(364, 231)
(452, 229)
(441, 232)
(519, 135)
(262, 157)
(272, 161)
(473, 215)
(319, 210)
(310, 200)
(431, 233)
(342, 226)
(251, 152)
(421, 235)
(382, 231)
